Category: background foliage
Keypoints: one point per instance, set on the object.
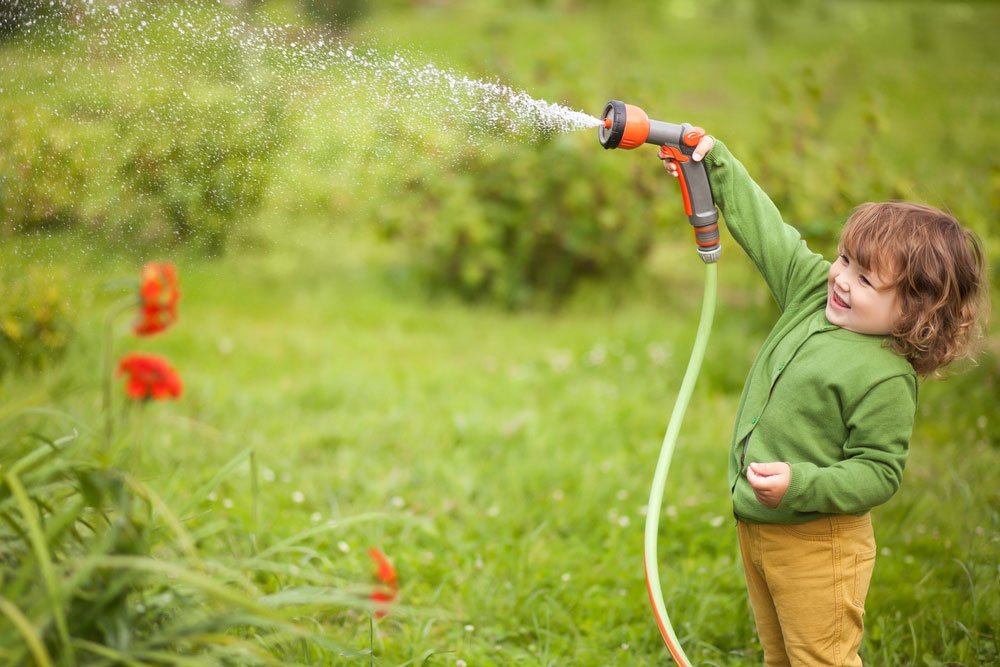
(500, 453)
(519, 225)
(36, 321)
(193, 135)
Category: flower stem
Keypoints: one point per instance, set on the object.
(113, 312)
(253, 500)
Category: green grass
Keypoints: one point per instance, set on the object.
(508, 457)
(503, 460)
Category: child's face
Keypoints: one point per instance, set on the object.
(857, 300)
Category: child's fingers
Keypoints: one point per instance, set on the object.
(768, 469)
(761, 481)
(703, 147)
(767, 500)
(700, 151)
(769, 481)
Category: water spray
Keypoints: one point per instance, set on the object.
(628, 126)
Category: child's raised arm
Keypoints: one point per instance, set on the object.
(790, 269)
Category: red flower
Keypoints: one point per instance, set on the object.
(386, 573)
(149, 377)
(159, 293)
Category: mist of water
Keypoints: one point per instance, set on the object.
(361, 83)
(118, 75)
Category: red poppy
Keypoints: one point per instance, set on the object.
(386, 573)
(159, 293)
(149, 377)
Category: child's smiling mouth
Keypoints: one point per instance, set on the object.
(837, 301)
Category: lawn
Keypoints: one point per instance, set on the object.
(502, 459)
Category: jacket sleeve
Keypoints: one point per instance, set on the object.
(790, 269)
(879, 429)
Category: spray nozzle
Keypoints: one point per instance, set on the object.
(628, 126)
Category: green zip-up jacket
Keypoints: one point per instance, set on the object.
(838, 406)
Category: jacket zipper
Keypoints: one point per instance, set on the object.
(743, 454)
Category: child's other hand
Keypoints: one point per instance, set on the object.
(700, 151)
(769, 481)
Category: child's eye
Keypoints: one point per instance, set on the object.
(865, 281)
(844, 259)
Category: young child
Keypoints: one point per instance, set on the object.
(824, 422)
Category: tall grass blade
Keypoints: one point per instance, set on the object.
(206, 584)
(40, 547)
(202, 492)
(254, 502)
(27, 631)
(161, 510)
(330, 527)
(114, 657)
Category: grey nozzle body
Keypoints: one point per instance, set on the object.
(664, 134)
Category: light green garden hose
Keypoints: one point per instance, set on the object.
(663, 466)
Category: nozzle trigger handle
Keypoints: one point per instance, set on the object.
(700, 207)
(698, 203)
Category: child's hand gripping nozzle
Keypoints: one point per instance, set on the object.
(628, 126)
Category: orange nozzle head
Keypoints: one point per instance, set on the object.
(623, 126)
(636, 127)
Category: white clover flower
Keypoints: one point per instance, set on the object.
(597, 355)
(658, 353)
(560, 360)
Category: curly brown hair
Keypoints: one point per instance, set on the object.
(938, 270)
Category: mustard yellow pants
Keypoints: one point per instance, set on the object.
(808, 583)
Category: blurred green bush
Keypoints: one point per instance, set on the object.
(200, 183)
(45, 165)
(523, 224)
(178, 134)
(35, 320)
(135, 146)
(17, 15)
